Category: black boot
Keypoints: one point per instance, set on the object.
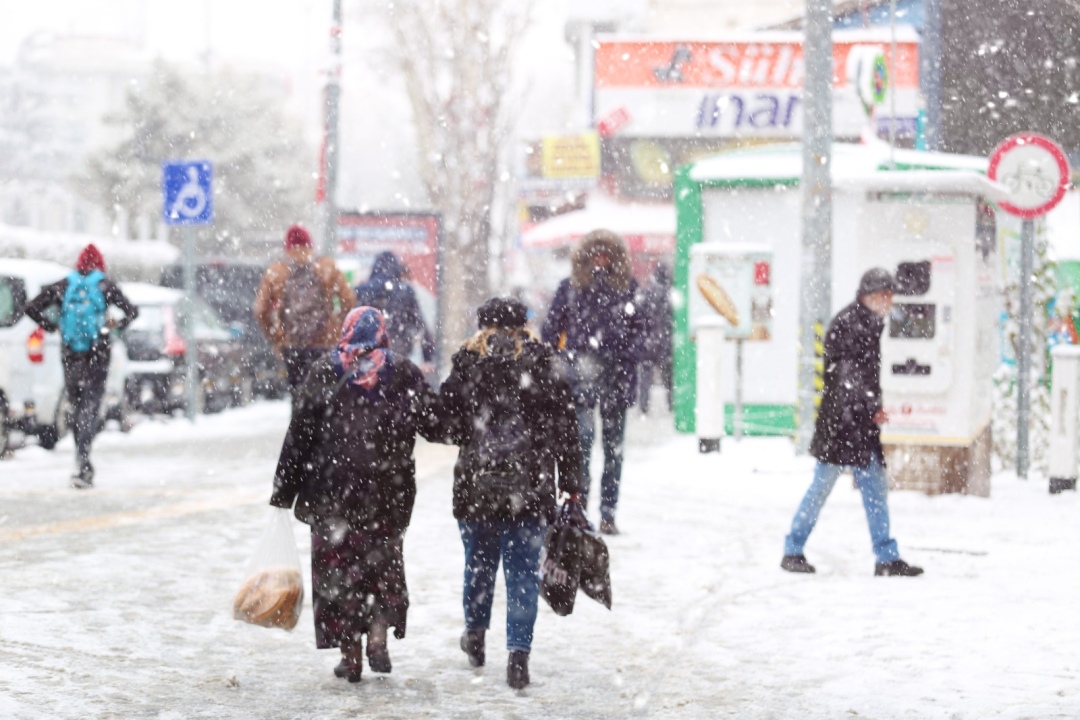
(797, 564)
(352, 657)
(607, 527)
(84, 478)
(517, 669)
(342, 668)
(897, 568)
(472, 642)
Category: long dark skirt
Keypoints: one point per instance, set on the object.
(358, 580)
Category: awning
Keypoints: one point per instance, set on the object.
(646, 227)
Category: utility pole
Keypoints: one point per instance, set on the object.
(816, 267)
(330, 149)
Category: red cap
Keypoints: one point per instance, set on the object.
(90, 259)
(297, 237)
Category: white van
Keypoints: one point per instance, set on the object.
(32, 401)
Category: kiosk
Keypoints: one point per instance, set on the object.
(928, 218)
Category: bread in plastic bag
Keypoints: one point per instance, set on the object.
(272, 593)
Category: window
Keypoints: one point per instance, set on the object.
(12, 299)
(912, 321)
(913, 278)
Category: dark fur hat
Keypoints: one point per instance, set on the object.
(601, 242)
(502, 313)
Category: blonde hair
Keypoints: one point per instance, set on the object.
(480, 342)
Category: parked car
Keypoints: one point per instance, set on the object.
(32, 399)
(230, 287)
(156, 354)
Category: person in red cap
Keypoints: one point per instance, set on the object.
(301, 304)
(83, 298)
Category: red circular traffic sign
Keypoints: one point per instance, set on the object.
(1034, 169)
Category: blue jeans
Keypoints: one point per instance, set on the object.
(874, 486)
(613, 430)
(517, 543)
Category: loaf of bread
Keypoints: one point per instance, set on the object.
(718, 298)
(270, 598)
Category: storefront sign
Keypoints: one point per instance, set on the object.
(571, 156)
(745, 87)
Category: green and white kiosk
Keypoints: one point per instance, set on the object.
(927, 217)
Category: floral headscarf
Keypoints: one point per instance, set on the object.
(363, 335)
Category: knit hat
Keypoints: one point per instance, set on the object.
(876, 280)
(502, 313)
(297, 237)
(90, 259)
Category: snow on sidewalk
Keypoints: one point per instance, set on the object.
(130, 617)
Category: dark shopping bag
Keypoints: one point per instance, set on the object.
(574, 556)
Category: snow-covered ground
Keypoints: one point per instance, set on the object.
(117, 601)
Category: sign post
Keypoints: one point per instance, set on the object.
(1036, 172)
(188, 201)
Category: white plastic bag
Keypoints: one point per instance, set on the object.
(273, 592)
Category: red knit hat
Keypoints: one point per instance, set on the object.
(90, 259)
(297, 237)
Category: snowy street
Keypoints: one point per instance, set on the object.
(118, 599)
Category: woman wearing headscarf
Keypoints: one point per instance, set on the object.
(513, 416)
(347, 463)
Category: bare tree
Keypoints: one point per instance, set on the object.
(456, 57)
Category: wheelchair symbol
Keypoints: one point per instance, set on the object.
(191, 201)
(186, 193)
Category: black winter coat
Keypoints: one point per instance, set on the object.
(348, 455)
(845, 432)
(476, 380)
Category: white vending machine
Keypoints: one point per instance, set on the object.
(939, 348)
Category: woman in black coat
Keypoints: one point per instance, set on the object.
(347, 462)
(513, 416)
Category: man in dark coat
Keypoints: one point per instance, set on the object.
(596, 324)
(347, 464)
(85, 368)
(847, 432)
(507, 407)
(656, 345)
(387, 289)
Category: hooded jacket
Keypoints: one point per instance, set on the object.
(845, 432)
(596, 321)
(53, 296)
(387, 290)
(269, 298)
(499, 361)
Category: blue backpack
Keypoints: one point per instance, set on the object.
(82, 314)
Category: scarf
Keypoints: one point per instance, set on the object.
(364, 336)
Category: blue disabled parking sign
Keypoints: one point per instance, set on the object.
(185, 187)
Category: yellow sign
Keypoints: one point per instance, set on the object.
(571, 156)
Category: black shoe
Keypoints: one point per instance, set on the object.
(378, 658)
(517, 669)
(897, 568)
(342, 668)
(607, 527)
(472, 642)
(797, 564)
(353, 671)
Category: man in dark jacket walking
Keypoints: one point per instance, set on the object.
(656, 346)
(595, 322)
(847, 432)
(83, 298)
(387, 289)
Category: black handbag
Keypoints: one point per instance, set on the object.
(574, 556)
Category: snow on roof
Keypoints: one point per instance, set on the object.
(601, 211)
(783, 163)
(147, 294)
(41, 272)
(64, 247)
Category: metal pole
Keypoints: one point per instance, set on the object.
(333, 105)
(1023, 355)
(892, 83)
(737, 420)
(815, 297)
(191, 360)
(930, 71)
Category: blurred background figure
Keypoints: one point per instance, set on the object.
(301, 304)
(656, 336)
(388, 290)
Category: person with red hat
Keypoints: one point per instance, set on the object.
(301, 304)
(83, 298)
